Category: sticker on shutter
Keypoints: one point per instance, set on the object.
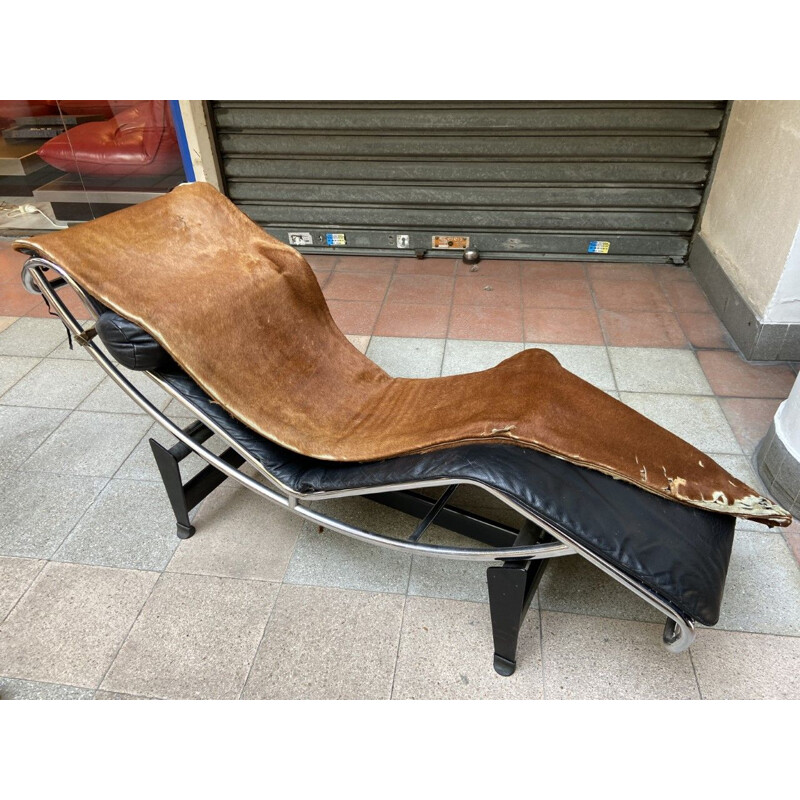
(598, 247)
(450, 242)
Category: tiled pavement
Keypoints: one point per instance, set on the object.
(98, 598)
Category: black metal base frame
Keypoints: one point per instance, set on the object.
(512, 584)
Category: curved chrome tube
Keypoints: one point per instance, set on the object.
(677, 638)
(679, 631)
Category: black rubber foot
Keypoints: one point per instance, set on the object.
(185, 532)
(504, 667)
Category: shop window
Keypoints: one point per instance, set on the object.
(67, 161)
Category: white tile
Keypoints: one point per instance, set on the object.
(407, 358)
(654, 369)
(463, 355)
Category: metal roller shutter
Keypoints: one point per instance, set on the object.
(520, 179)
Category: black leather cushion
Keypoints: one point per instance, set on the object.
(680, 552)
(130, 345)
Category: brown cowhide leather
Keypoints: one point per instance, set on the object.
(243, 314)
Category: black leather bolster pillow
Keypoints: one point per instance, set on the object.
(133, 347)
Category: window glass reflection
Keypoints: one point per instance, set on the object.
(68, 161)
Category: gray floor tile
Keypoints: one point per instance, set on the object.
(574, 585)
(16, 575)
(54, 384)
(446, 652)
(12, 369)
(109, 397)
(747, 666)
(698, 420)
(587, 362)
(407, 358)
(129, 525)
(15, 689)
(592, 658)
(90, 443)
(239, 535)
(762, 591)
(445, 577)
(195, 638)
(100, 694)
(331, 559)
(653, 369)
(37, 511)
(71, 622)
(32, 336)
(462, 356)
(327, 644)
(22, 430)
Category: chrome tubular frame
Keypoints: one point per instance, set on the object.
(679, 632)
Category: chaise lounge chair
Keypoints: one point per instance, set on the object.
(232, 323)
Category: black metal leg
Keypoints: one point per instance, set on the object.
(506, 599)
(511, 589)
(171, 475)
(183, 497)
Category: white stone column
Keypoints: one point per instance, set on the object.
(787, 421)
(778, 455)
(201, 143)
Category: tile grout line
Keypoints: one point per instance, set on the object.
(49, 683)
(51, 557)
(541, 642)
(281, 584)
(450, 307)
(263, 636)
(20, 470)
(596, 306)
(130, 628)
(100, 492)
(399, 642)
(34, 579)
(447, 327)
(25, 374)
(383, 300)
(129, 695)
(696, 677)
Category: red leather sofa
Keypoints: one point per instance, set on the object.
(139, 140)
